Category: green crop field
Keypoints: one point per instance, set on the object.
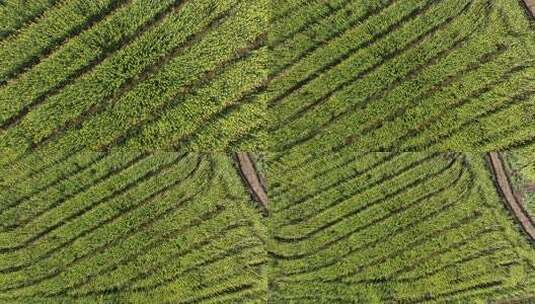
(131, 227)
(409, 75)
(267, 151)
(350, 227)
(139, 74)
(393, 228)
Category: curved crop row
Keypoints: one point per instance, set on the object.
(392, 228)
(134, 227)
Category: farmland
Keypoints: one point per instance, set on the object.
(267, 151)
(371, 227)
(137, 74)
(131, 227)
(415, 75)
(393, 228)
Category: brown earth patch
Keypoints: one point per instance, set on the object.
(530, 5)
(252, 178)
(529, 187)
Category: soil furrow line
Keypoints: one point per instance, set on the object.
(252, 178)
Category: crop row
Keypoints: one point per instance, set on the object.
(101, 83)
(16, 14)
(160, 224)
(80, 53)
(27, 206)
(434, 231)
(56, 26)
(338, 48)
(407, 76)
(46, 214)
(384, 172)
(367, 72)
(115, 93)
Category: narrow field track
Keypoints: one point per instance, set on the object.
(526, 300)
(520, 164)
(517, 209)
(530, 5)
(253, 179)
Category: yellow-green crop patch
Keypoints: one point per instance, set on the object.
(131, 228)
(135, 74)
(414, 75)
(356, 227)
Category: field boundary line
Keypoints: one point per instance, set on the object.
(252, 178)
(503, 184)
(529, 5)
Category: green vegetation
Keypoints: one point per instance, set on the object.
(392, 228)
(522, 170)
(15, 13)
(369, 118)
(379, 75)
(139, 74)
(409, 75)
(131, 228)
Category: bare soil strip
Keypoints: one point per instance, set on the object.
(252, 178)
(529, 188)
(530, 4)
(504, 186)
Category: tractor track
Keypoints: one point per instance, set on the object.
(252, 178)
(504, 186)
(530, 5)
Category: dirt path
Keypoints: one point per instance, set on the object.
(252, 178)
(530, 4)
(503, 183)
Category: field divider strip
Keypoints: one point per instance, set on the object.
(253, 180)
(503, 183)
